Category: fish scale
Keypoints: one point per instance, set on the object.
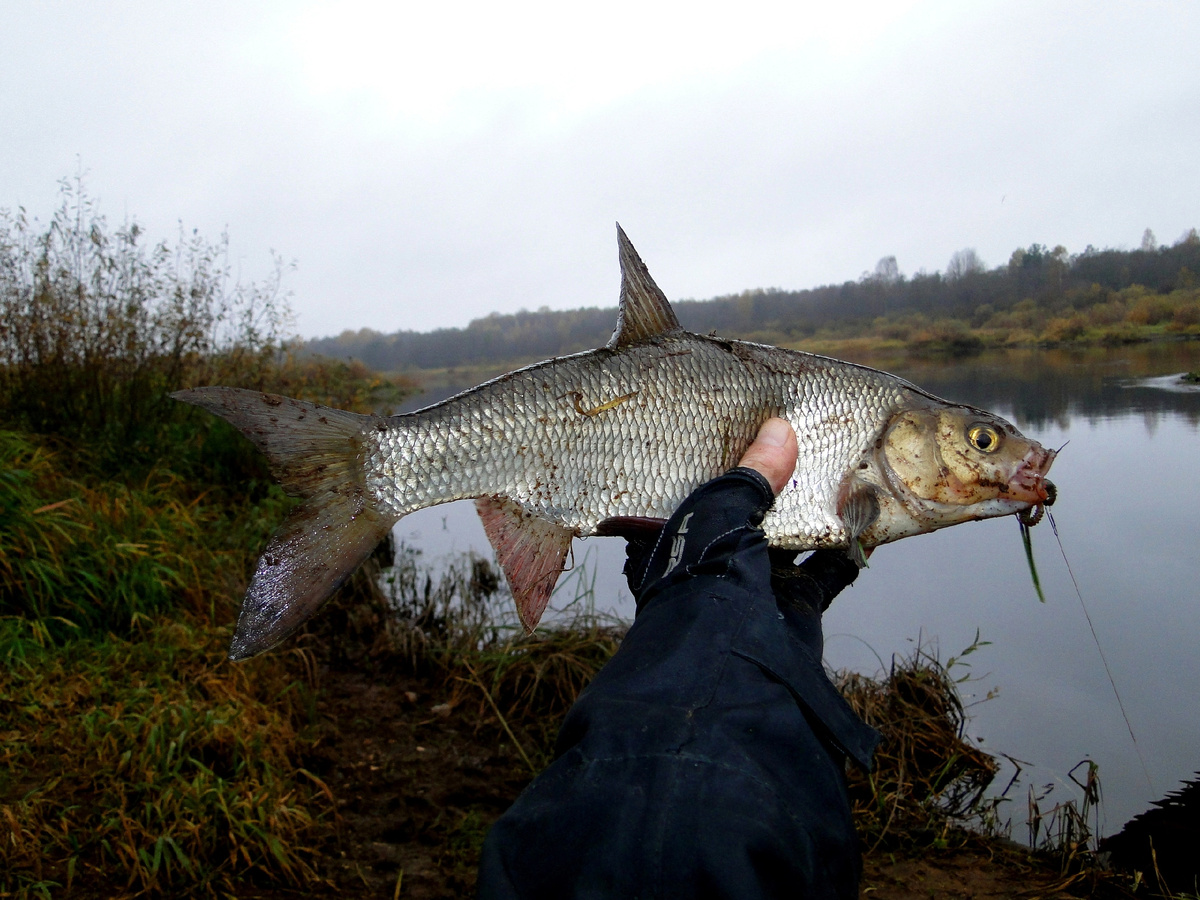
(610, 442)
(695, 406)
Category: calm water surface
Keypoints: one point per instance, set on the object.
(1128, 514)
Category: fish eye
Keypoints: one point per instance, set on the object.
(983, 438)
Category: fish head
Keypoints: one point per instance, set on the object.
(956, 463)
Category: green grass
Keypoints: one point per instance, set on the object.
(152, 765)
(131, 752)
(88, 557)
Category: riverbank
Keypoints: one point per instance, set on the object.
(420, 774)
(369, 756)
(371, 745)
(372, 750)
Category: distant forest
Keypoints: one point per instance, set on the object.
(1071, 294)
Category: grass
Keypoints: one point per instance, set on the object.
(84, 556)
(133, 753)
(928, 780)
(928, 777)
(135, 760)
(459, 624)
(153, 765)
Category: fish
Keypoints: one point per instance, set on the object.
(608, 442)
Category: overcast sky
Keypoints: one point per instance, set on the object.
(425, 164)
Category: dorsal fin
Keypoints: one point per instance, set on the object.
(644, 310)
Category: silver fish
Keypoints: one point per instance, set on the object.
(611, 440)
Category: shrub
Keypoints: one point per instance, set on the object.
(1187, 311)
(926, 771)
(1109, 313)
(1066, 328)
(1150, 309)
(948, 336)
(96, 328)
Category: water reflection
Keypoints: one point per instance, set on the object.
(1051, 387)
(1128, 495)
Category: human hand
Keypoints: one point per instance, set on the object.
(810, 586)
(807, 588)
(772, 455)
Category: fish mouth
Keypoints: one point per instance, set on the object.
(1028, 483)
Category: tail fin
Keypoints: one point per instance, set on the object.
(316, 454)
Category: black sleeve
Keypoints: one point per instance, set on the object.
(706, 759)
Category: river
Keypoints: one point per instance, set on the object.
(1128, 515)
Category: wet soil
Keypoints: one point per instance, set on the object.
(418, 775)
(417, 779)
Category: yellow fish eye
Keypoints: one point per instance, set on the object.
(983, 438)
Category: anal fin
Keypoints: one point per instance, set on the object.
(858, 507)
(530, 550)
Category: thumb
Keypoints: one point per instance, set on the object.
(773, 453)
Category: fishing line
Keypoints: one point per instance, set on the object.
(1100, 650)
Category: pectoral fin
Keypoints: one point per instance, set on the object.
(858, 507)
(530, 550)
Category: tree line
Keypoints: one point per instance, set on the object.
(1056, 282)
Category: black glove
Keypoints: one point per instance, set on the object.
(803, 592)
(720, 521)
(811, 585)
(705, 535)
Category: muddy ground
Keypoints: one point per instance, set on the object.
(419, 774)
